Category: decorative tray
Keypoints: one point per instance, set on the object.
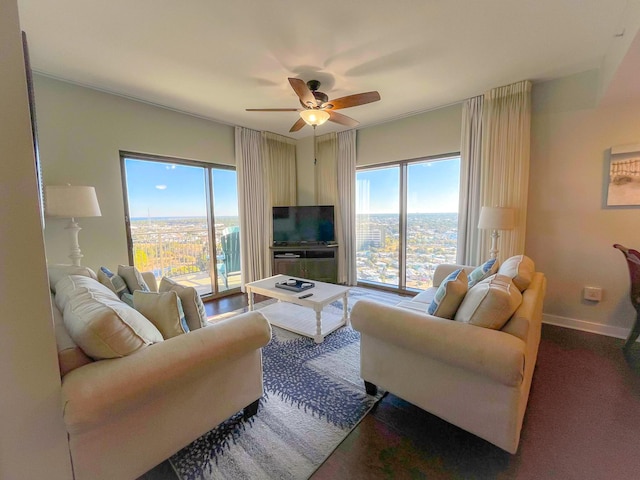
(298, 286)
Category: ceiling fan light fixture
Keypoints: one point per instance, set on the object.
(314, 117)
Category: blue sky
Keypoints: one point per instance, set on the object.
(158, 189)
(432, 187)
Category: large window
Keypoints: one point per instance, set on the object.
(407, 221)
(182, 220)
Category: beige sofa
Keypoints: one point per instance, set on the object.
(474, 377)
(125, 415)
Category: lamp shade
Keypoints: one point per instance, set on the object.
(497, 218)
(314, 117)
(71, 201)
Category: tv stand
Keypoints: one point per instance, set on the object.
(311, 261)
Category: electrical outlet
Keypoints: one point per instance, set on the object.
(592, 293)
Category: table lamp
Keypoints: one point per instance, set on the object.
(72, 201)
(496, 219)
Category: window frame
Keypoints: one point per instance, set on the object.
(403, 166)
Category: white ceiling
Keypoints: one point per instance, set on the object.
(214, 58)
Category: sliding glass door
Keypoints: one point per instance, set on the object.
(180, 216)
(407, 221)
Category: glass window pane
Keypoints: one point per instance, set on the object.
(168, 219)
(433, 189)
(227, 228)
(378, 225)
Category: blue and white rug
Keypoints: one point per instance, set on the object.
(313, 398)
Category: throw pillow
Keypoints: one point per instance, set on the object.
(99, 323)
(520, 268)
(485, 270)
(58, 271)
(164, 310)
(133, 278)
(112, 281)
(490, 303)
(449, 295)
(70, 355)
(192, 304)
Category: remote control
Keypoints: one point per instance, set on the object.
(305, 296)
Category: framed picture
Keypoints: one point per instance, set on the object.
(624, 176)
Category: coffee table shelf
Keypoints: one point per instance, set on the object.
(304, 316)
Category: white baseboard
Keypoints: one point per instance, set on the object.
(583, 325)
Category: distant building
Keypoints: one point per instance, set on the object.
(369, 237)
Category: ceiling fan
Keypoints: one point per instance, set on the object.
(317, 108)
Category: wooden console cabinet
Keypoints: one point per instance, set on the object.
(317, 262)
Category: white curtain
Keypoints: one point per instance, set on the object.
(280, 156)
(326, 170)
(470, 175)
(253, 200)
(347, 202)
(505, 164)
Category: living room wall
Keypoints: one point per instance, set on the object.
(33, 442)
(570, 232)
(82, 131)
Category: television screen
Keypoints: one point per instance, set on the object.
(303, 224)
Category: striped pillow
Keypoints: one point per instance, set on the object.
(449, 295)
(485, 270)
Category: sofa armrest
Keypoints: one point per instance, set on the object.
(443, 270)
(492, 353)
(94, 392)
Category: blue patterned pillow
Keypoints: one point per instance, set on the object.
(485, 270)
(115, 282)
(449, 295)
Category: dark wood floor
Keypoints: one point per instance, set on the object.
(582, 422)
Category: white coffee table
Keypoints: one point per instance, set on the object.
(296, 314)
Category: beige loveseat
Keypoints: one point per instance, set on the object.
(474, 377)
(125, 415)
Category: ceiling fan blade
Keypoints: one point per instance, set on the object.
(271, 109)
(341, 119)
(353, 100)
(303, 92)
(298, 125)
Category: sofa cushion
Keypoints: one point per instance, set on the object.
(58, 271)
(164, 310)
(483, 271)
(112, 281)
(520, 268)
(101, 324)
(490, 303)
(449, 295)
(133, 278)
(70, 355)
(192, 305)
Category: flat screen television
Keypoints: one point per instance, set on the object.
(303, 224)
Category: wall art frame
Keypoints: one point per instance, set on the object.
(623, 184)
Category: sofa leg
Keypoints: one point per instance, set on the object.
(370, 388)
(250, 410)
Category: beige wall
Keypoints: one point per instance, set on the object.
(33, 442)
(431, 133)
(81, 133)
(570, 232)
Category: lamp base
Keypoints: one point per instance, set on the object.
(76, 254)
(493, 253)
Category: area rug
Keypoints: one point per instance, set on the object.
(313, 398)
